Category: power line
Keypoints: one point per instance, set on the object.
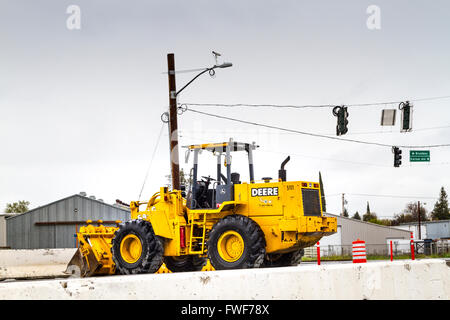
(381, 196)
(348, 133)
(256, 105)
(389, 196)
(431, 98)
(432, 128)
(328, 159)
(182, 135)
(311, 106)
(396, 102)
(151, 161)
(313, 134)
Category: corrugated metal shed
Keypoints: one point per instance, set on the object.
(3, 217)
(439, 229)
(371, 233)
(375, 236)
(54, 225)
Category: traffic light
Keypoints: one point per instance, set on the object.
(341, 113)
(397, 156)
(406, 109)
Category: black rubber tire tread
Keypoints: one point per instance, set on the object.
(293, 258)
(254, 243)
(184, 263)
(199, 262)
(152, 248)
(297, 256)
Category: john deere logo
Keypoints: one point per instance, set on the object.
(262, 192)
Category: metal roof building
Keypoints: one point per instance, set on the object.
(348, 230)
(3, 217)
(54, 225)
(438, 229)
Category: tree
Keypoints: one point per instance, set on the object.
(384, 222)
(369, 215)
(322, 192)
(411, 208)
(410, 214)
(356, 216)
(17, 207)
(345, 213)
(402, 218)
(441, 211)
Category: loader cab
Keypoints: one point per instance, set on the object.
(208, 192)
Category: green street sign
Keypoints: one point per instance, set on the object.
(419, 155)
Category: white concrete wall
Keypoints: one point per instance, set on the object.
(20, 257)
(425, 279)
(38, 263)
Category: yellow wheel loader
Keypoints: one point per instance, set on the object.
(231, 224)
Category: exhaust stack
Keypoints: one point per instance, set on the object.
(282, 171)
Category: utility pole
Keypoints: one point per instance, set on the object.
(173, 125)
(343, 205)
(418, 212)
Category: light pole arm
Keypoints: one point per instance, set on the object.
(223, 65)
(179, 91)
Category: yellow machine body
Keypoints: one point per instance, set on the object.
(280, 216)
(289, 213)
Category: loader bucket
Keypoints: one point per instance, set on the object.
(82, 266)
(93, 256)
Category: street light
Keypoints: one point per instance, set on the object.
(224, 65)
(211, 73)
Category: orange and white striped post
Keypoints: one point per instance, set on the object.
(359, 251)
(412, 247)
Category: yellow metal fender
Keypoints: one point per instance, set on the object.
(160, 224)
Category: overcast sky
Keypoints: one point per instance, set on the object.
(80, 107)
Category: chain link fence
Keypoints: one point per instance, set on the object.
(400, 248)
(430, 247)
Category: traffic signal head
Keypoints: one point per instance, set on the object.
(341, 113)
(406, 109)
(397, 156)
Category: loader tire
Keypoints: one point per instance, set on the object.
(136, 249)
(236, 242)
(184, 263)
(283, 260)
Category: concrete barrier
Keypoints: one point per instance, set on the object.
(423, 279)
(38, 263)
